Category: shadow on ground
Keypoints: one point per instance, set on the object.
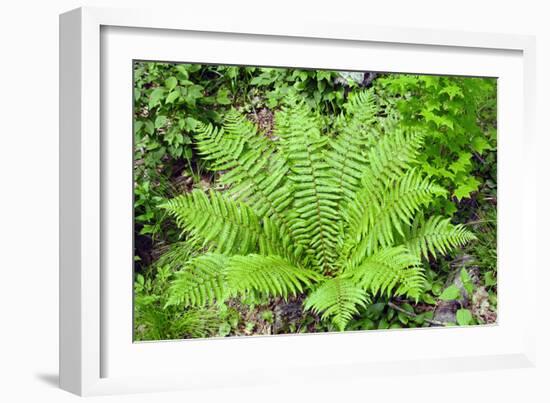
(49, 379)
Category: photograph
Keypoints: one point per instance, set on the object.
(275, 200)
(250, 202)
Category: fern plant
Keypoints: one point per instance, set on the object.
(339, 218)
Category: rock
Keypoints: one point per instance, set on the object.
(446, 310)
(287, 313)
(481, 308)
(364, 79)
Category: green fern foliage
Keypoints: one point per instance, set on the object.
(313, 219)
(201, 282)
(231, 227)
(383, 216)
(337, 218)
(270, 275)
(212, 278)
(253, 171)
(339, 299)
(391, 271)
(436, 235)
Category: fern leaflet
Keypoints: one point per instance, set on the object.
(337, 298)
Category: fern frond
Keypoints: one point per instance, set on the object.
(212, 278)
(375, 218)
(402, 199)
(391, 156)
(224, 146)
(391, 271)
(231, 226)
(315, 223)
(337, 298)
(388, 160)
(277, 240)
(197, 323)
(314, 219)
(295, 119)
(246, 157)
(269, 275)
(200, 283)
(361, 110)
(253, 170)
(346, 153)
(257, 171)
(436, 235)
(179, 253)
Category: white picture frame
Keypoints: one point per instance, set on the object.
(96, 354)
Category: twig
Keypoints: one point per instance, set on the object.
(478, 222)
(479, 158)
(414, 315)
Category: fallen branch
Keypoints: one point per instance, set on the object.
(414, 315)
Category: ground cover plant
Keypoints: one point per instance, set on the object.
(276, 201)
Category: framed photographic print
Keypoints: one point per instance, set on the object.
(308, 196)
